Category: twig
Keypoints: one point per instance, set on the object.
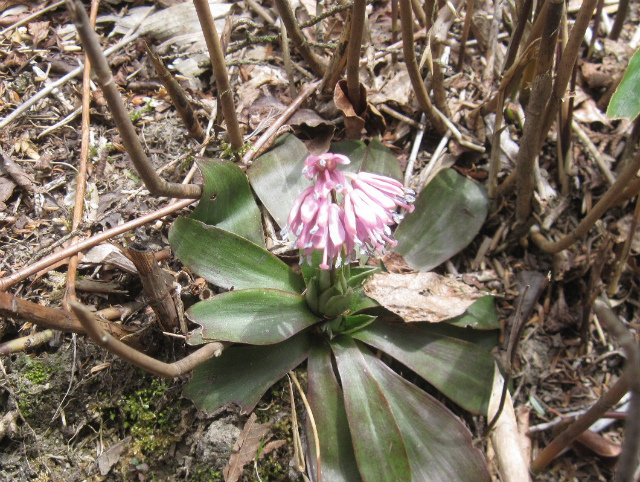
(339, 59)
(81, 178)
(621, 15)
(358, 21)
(516, 38)
(595, 153)
(161, 369)
(286, 57)
(408, 172)
(401, 117)
(613, 195)
(279, 122)
(17, 173)
(27, 271)
(565, 68)
(178, 97)
(312, 421)
(156, 185)
(225, 93)
(465, 32)
(21, 344)
(327, 13)
(298, 39)
(412, 67)
(261, 11)
(540, 92)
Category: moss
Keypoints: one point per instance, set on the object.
(150, 417)
(35, 371)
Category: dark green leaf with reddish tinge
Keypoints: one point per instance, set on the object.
(338, 461)
(257, 316)
(241, 375)
(481, 315)
(448, 214)
(625, 102)
(380, 451)
(374, 157)
(277, 177)
(462, 371)
(439, 445)
(228, 260)
(227, 201)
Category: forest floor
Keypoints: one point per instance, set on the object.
(73, 411)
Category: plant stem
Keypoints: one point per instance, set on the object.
(354, 46)
(161, 369)
(298, 39)
(540, 92)
(621, 15)
(565, 68)
(156, 185)
(516, 38)
(220, 72)
(406, 18)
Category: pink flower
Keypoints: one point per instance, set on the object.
(362, 219)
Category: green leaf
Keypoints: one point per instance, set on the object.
(481, 315)
(449, 213)
(228, 260)
(277, 177)
(353, 323)
(377, 441)
(338, 304)
(241, 375)
(439, 445)
(625, 102)
(257, 316)
(227, 201)
(462, 371)
(359, 274)
(375, 157)
(325, 396)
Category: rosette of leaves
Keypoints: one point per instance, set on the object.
(372, 422)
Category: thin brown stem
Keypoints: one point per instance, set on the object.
(516, 38)
(429, 9)
(621, 15)
(178, 97)
(610, 198)
(565, 69)
(339, 58)
(81, 178)
(161, 369)
(540, 92)
(418, 11)
(471, 4)
(298, 39)
(354, 46)
(220, 73)
(406, 18)
(156, 185)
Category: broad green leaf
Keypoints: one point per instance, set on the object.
(481, 315)
(277, 177)
(449, 213)
(325, 396)
(625, 102)
(374, 157)
(462, 371)
(227, 201)
(241, 375)
(377, 441)
(439, 445)
(258, 316)
(228, 260)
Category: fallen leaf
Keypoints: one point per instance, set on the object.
(597, 444)
(110, 457)
(245, 449)
(38, 31)
(421, 296)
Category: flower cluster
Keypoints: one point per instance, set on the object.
(345, 210)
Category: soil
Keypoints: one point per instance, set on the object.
(80, 413)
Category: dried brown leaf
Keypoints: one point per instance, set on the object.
(597, 444)
(245, 449)
(421, 296)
